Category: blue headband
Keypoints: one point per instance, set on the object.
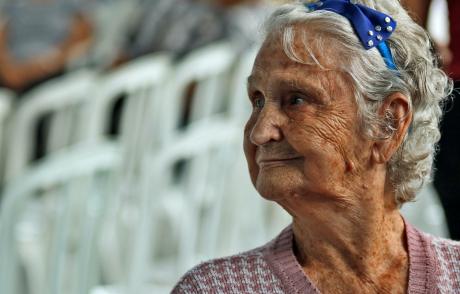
(372, 27)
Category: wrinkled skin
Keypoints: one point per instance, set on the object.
(308, 114)
(306, 151)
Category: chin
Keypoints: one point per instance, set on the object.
(278, 182)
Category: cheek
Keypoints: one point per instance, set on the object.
(328, 133)
(327, 150)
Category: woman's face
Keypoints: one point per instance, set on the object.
(303, 138)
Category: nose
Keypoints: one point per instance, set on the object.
(267, 127)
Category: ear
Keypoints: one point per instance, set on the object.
(397, 113)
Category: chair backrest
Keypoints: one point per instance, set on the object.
(181, 180)
(138, 83)
(198, 89)
(6, 101)
(208, 71)
(83, 180)
(63, 99)
(49, 221)
(141, 85)
(6, 108)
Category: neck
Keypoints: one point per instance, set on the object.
(357, 241)
(363, 239)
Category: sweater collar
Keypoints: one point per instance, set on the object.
(422, 267)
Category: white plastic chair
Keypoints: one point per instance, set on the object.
(141, 84)
(62, 98)
(206, 149)
(6, 107)
(54, 241)
(209, 68)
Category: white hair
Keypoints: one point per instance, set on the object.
(418, 77)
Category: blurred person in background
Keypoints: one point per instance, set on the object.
(447, 174)
(38, 38)
(179, 26)
(175, 26)
(242, 19)
(346, 102)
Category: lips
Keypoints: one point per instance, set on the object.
(265, 162)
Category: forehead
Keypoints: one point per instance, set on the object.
(315, 52)
(273, 64)
(273, 70)
(308, 42)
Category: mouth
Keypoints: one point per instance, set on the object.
(277, 161)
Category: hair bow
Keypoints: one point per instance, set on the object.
(372, 27)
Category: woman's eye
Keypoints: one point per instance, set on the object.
(259, 102)
(296, 100)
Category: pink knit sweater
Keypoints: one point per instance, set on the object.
(434, 267)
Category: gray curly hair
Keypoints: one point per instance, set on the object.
(418, 77)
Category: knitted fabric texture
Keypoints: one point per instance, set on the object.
(434, 267)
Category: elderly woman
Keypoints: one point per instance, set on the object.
(346, 102)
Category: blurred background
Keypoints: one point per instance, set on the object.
(121, 162)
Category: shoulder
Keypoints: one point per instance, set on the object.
(246, 272)
(445, 249)
(446, 254)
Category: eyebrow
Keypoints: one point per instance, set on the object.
(301, 85)
(317, 92)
